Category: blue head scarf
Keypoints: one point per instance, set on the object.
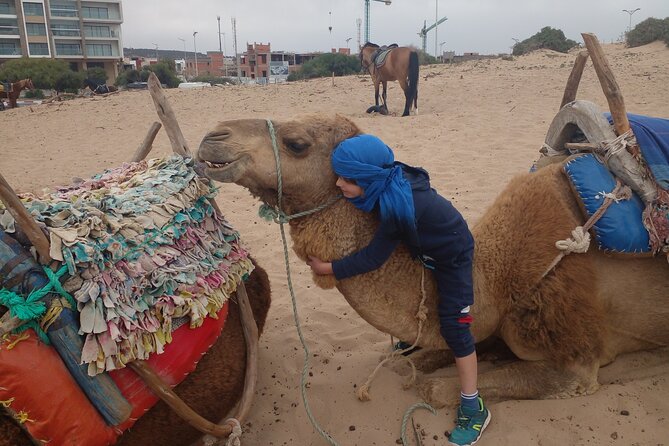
(369, 161)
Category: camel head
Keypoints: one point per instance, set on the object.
(241, 152)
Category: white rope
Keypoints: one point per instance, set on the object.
(579, 242)
(235, 437)
(617, 145)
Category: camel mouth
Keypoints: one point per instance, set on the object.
(227, 171)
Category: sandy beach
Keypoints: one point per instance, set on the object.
(479, 123)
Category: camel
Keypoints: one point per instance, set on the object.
(212, 389)
(560, 328)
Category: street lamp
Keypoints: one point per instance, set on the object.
(630, 13)
(441, 45)
(348, 40)
(184, 67)
(156, 45)
(195, 48)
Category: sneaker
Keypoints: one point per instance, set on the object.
(470, 425)
(401, 345)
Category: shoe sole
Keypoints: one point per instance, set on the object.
(485, 424)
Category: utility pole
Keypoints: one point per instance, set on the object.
(220, 46)
(436, 28)
(358, 24)
(367, 16)
(184, 67)
(195, 48)
(234, 42)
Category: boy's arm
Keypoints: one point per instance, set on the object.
(368, 258)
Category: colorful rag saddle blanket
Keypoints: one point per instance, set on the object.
(149, 259)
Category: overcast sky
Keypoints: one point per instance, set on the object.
(484, 26)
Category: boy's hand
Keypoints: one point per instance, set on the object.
(319, 267)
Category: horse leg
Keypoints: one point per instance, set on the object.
(376, 94)
(385, 96)
(407, 97)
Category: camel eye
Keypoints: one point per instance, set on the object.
(297, 147)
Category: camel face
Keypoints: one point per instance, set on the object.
(241, 152)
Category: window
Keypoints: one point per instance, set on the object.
(68, 49)
(33, 9)
(9, 47)
(98, 50)
(38, 49)
(63, 10)
(36, 29)
(7, 7)
(65, 29)
(9, 27)
(89, 12)
(97, 31)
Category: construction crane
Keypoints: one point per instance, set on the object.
(423, 32)
(387, 2)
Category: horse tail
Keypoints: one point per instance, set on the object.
(413, 79)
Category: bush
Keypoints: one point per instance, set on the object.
(34, 94)
(97, 75)
(45, 73)
(426, 59)
(649, 31)
(325, 64)
(165, 70)
(127, 77)
(215, 80)
(548, 38)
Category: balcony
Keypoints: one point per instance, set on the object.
(10, 48)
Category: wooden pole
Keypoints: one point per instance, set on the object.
(608, 82)
(168, 117)
(574, 78)
(25, 220)
(146, 146)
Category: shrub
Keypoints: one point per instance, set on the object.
(325, 64)
(548, 38)
(214, 80)
(127, 77)
(649, 31)
(97, 75)
(45, 73)
(165, 70)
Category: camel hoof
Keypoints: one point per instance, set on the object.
(440, 392)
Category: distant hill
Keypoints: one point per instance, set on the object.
(162, 54)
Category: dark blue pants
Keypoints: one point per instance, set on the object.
(455, 286)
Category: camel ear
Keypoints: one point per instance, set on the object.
(344, 129)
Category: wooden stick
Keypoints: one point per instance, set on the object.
(574, 79)
(25, 220)
(581, 146)
(168, 117)
(163, 391)
(609, 84)
(146, 146)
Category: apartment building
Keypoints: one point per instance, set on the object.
(85, 33)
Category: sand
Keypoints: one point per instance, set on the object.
(479, 123)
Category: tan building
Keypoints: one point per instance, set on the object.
(85, 33)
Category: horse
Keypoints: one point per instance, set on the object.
(399, 64)
(99, 88)
(16, 87)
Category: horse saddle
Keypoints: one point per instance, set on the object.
(379, 56)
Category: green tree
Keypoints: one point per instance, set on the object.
(648, 31)
(45, 73)
(166, 71)
(548, 38)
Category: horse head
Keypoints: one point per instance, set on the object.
(366, 54)
(29, 84)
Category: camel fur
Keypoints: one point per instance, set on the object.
(561, 328)
(212, 390)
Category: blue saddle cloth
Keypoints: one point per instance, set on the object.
(652, 134)
(621, 228)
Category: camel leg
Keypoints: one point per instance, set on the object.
(517, 380)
